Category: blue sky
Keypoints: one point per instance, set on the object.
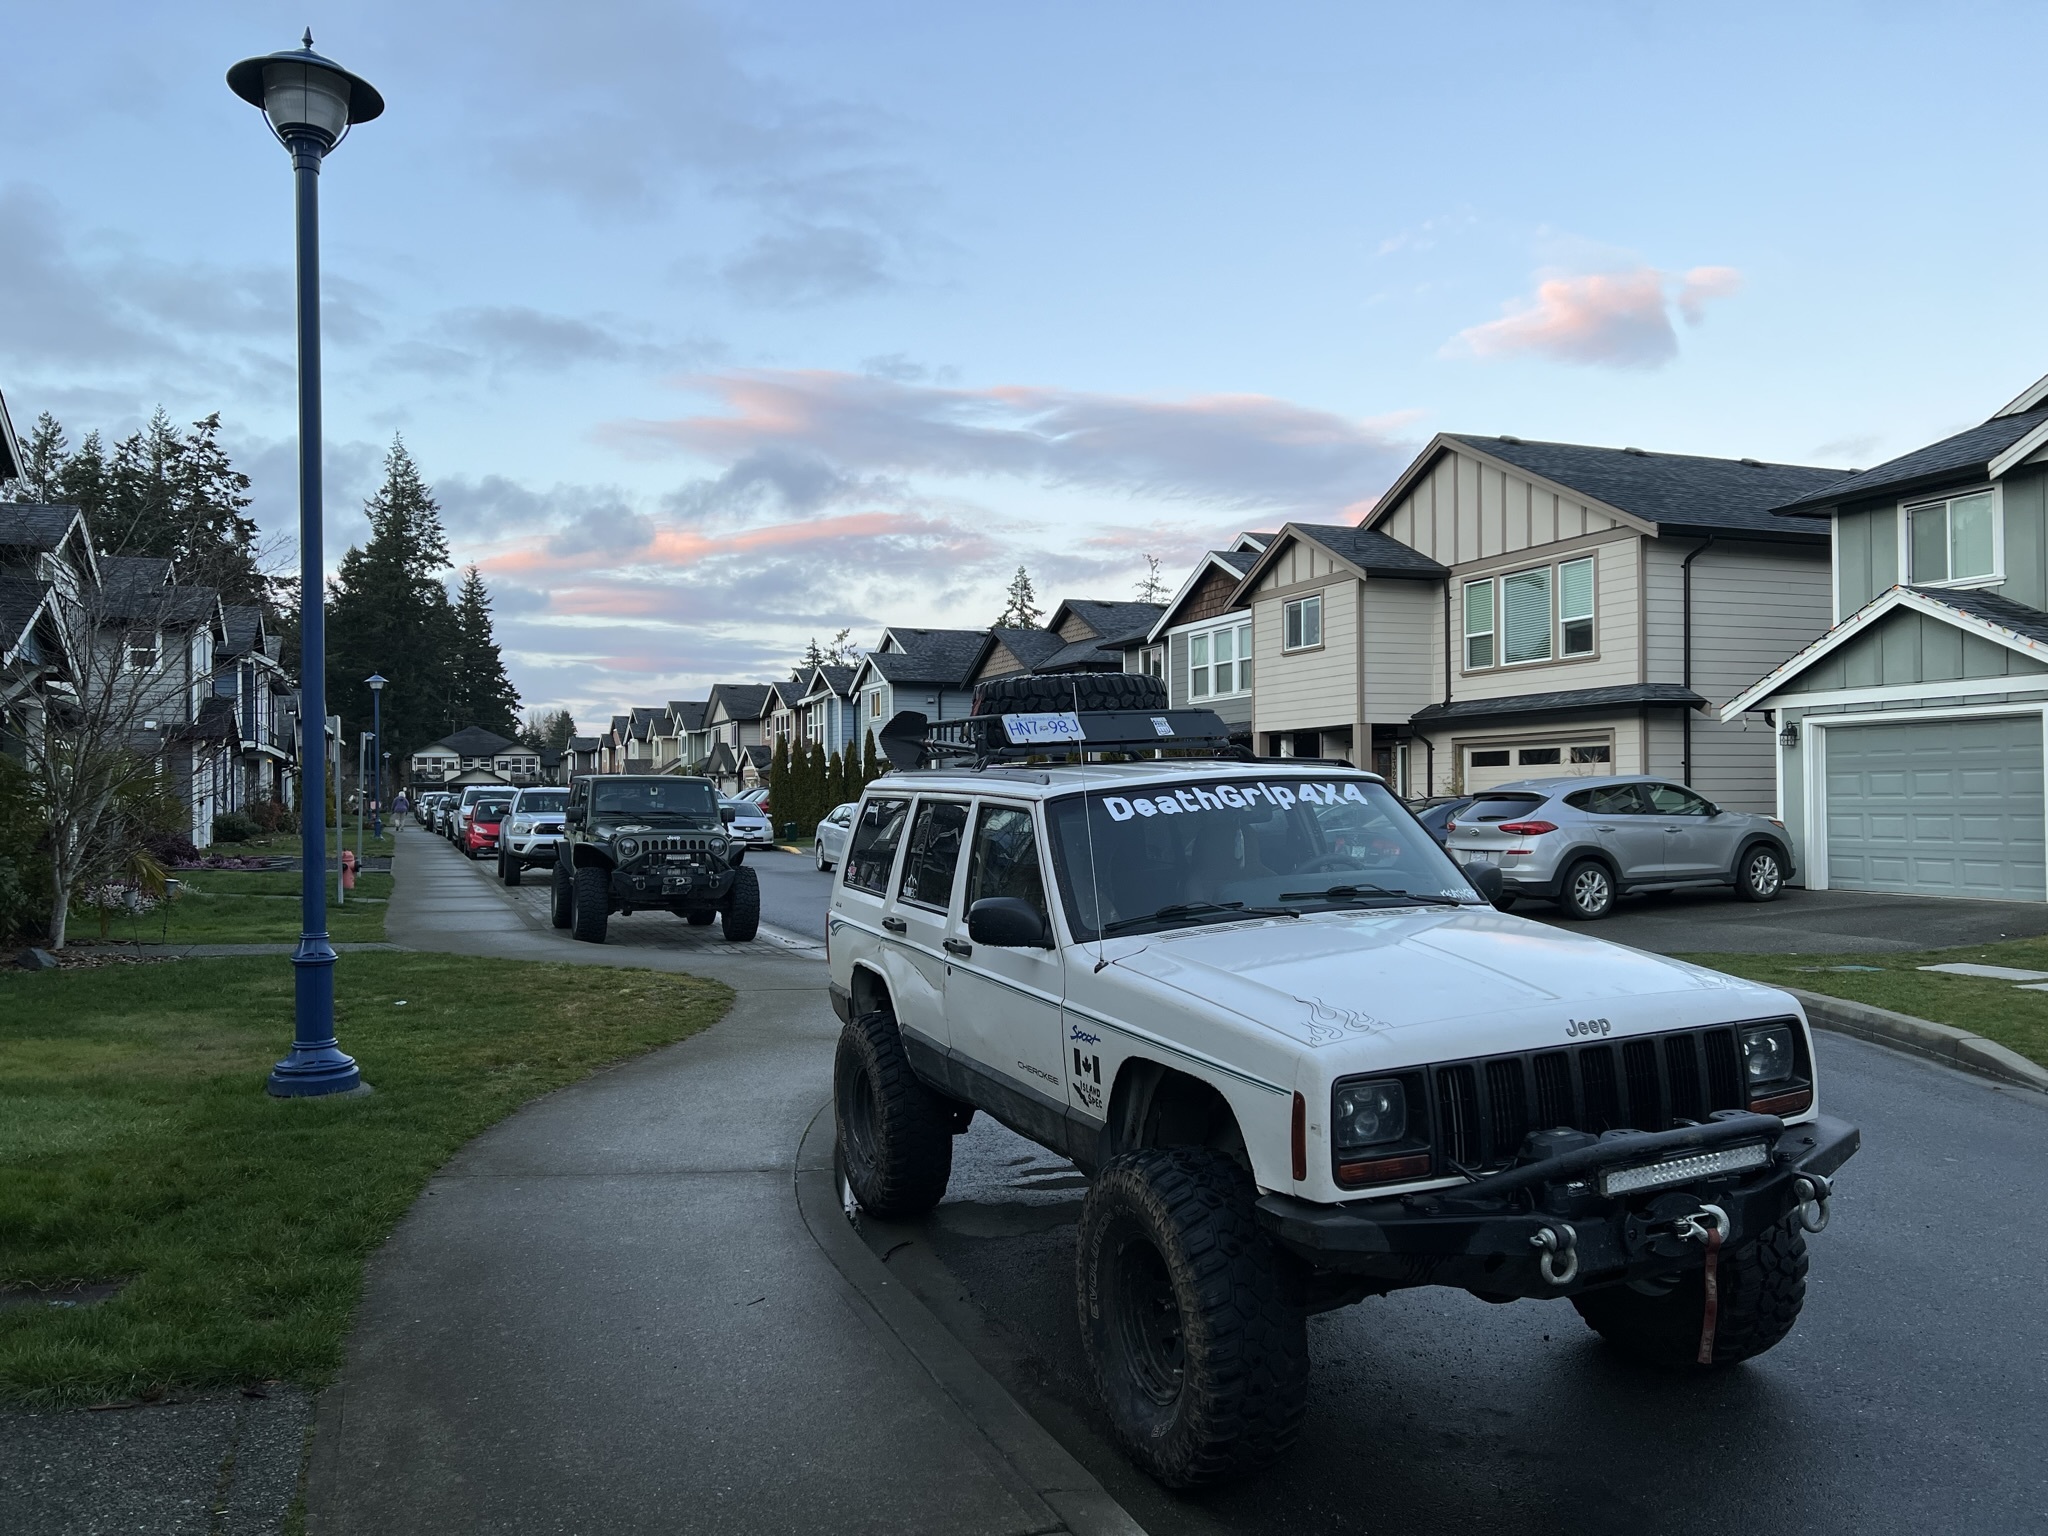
(720, 326)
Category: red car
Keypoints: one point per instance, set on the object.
(481, 835)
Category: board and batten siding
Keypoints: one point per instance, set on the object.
(1867, 544)
(1908, 647)
(1313, 689)
(1465, 509)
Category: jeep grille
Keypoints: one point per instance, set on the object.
(676, 844)
(1484, 1108)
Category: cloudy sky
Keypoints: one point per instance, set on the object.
(718, 326)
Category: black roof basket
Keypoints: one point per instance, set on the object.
(910, 740)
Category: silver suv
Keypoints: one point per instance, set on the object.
(1581, 842)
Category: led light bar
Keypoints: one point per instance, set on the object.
(1683, 1170)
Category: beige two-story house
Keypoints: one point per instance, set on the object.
(1515, 609)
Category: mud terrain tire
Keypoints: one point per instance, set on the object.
(1188, 1316)
(895, 1136)
(1762, 1286)
(740, 912)
(561, 897)
(591, 908)
(1069, 691)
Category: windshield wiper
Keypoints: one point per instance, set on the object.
(1181, 909)
(1367, 892)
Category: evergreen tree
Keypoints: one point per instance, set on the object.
(780, 787)
(870, 762)
(549, 730)
(835, 780)
(44, 454)
(483, 692)
(1020, 610)
(388, 612)
(1151, 586)
(213, 536)
(85, 480)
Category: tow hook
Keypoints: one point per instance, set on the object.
(1557, 1258)
(1814, 1191)
(1709, 1227)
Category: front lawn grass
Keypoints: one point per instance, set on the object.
(137, 1144)
(242, 906)
(1997, 1010)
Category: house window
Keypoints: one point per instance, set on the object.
(875, 705)
(1478, 626)
(143, 650)
(1219, 662)
(1525, 616)
(1302, 622)
(1954, 540)
(1575, 607)
(1152, 661)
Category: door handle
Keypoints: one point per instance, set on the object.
(895, 925)
(958, 947)
(1674, 831)
(1603, 829)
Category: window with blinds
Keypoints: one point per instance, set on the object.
(1575, 607)
(1525, 616)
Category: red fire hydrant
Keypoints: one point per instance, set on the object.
(348, 869)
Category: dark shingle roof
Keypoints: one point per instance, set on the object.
(791, 692)
(244, 626)
(837, 678)
(1965, 456)
(583, 743)
(743, 701)
(1113, 620)
(1568, 701)
(1377, 554)
(1993, 609)
(1032, 647)
(1677, 491)
(134, 573)
(942, 657)
(688, 713)
(475, 741)
(24, 525)
(20, 601)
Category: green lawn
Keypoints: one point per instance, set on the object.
(136, 1143)
(1997, 1010)
(287, 845)
(242, 906)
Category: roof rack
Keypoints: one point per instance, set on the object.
(910, 740)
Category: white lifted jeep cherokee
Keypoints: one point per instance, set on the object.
(1302, 1060)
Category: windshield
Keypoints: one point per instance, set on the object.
(743, 807)
(534, 801)
(492, 810)
(655, 797)
(1212, 850)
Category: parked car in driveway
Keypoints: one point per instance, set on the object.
(748, 822)
(532, 831)
(829, 841)
(1583, 842)
(1435, 815)
(486, 816)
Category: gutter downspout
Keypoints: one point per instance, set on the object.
(1430, 741)
(1685, 718)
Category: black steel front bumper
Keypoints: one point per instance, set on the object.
(1485, 1236)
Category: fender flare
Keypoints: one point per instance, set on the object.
(1750, 844)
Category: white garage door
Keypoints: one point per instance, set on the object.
(1941, 808)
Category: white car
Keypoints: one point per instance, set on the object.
(747, 822)
(530, 834)
(1302, 1061)
(829, 841)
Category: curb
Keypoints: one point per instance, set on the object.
(1042, 1469)
(1921, 1037)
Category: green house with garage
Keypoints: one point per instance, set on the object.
(1910, 735)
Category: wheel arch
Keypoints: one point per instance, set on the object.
(1754, 841)
(869, 991)
(1573, 857)
(583, 856)
(1154, 1105)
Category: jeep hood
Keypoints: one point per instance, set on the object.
(1475, 972)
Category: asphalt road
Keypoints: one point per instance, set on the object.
(793, 893)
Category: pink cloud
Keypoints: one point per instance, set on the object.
(1610, 319)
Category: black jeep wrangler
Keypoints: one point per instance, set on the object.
(650, 841)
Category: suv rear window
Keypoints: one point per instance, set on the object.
(873, 850)
(1499, 808)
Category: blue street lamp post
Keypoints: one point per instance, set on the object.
(376, 680)
(310, 101)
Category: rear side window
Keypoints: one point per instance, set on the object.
(1493, 808)
(934, 852)
(873, 851)
(1606, 800)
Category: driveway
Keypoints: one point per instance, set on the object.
(1803, 922)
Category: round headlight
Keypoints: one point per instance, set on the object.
(629, 848)
(1369, 1114)
(1767, 1055)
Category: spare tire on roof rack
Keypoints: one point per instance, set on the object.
(1058, 692)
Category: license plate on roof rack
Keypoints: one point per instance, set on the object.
(1042, 730)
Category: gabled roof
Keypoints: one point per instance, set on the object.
(1235, 563)
(643, 720)
(1563, 701)
(26, 525)
(790, 691)
(1367, 552)
(1033, 648)
(135, 573)
(817, 681)
(1109, 620)
(739, 701)
(1972, 455)
(2000, 620)
(473, 741)
(22, 603)
(938, 658)
(244, 627)
(688, 714)
(583, 743)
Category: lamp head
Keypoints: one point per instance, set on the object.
(305, 95)
(376, 682)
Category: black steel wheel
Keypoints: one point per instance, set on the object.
(1189, 1316)
(895, 1136)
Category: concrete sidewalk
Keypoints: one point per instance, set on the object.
(610, 1313)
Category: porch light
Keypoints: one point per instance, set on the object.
(1788, 737)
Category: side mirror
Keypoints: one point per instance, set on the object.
(1483, 878)
(727, 814)
(573, 817)
(1007, 922)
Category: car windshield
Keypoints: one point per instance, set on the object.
(1214, 850)
(533, 802)
(492, 810)
(743, 807)
(655, 797)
